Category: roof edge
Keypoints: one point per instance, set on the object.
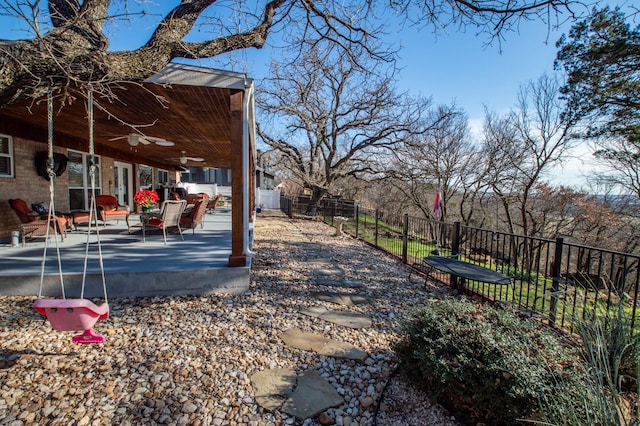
(191, 75)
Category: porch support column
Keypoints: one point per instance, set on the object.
(252, 188)
(237, 257)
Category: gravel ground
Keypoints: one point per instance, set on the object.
(187, 360)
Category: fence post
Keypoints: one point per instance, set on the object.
(357, 213)
(333, 211)
(455, 251)
(405, 238)
(455, 244)
(555, 276)
(375, 240)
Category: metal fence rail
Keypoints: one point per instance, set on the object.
(557, 281)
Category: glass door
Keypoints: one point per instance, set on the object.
(79, 181)
(123, 182)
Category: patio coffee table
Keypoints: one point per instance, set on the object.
(465, 271)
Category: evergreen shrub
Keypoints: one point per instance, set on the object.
(486, 364)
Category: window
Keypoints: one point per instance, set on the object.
(200, 175)
(163, 177)
(79, 181)
(146, 176)
(6, 156)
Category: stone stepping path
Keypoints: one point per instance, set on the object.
(301, 396)
(298, 339)
(344, 318)
(309, 394)
(345, 299)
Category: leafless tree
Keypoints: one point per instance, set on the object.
(620, 158)
(328, 116)
(67, 44)
(522, 146)
(440, 158)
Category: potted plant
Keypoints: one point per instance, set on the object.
(146, 199)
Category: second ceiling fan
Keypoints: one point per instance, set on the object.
(134, 139)
(184, 159)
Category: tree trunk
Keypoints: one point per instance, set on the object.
(316, 196)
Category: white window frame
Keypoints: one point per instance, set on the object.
(162, 181)
(154, 176)
(86, 184)
(10, 156)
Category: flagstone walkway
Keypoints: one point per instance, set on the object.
(309, 394)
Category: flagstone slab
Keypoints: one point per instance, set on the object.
(347, 319)
(314, 311)
(298, 339)
(313, 395)
(328, 271)
(344, 318)
(342, 350)
(345, 299)
(273, 386)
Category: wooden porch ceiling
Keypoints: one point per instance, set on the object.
(195, 118)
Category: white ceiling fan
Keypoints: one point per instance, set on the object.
(134, 139)
(184, 159)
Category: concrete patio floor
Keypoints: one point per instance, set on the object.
(197, 265)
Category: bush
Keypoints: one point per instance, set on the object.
(610, 349)
(486, 364)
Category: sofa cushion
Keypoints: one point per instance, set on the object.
(22, 209)
(40, 208)
(107, 202)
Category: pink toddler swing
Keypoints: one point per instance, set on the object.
(73, 314)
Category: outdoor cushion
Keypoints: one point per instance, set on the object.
(22, 209)
(155, 221)
(107, 202)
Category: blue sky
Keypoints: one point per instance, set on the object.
(456, 67)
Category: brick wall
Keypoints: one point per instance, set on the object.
(32, 188)
(28, 185)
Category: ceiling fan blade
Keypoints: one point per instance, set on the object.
(119, 137)
(195, 158)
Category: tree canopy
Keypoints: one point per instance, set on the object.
(68, 45)
(601, 58)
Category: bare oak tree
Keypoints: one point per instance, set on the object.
(68, 46)
(330, 117)
(440, 157)
(522, 146)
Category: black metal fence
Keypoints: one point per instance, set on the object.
(553, 279)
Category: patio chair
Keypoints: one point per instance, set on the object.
(195, 216)
(213, 203)
(33, 224)
(109, 209)
(168, 217)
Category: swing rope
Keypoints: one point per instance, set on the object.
(51, 217)
(93, 209)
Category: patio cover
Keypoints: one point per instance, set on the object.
(206, 113)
